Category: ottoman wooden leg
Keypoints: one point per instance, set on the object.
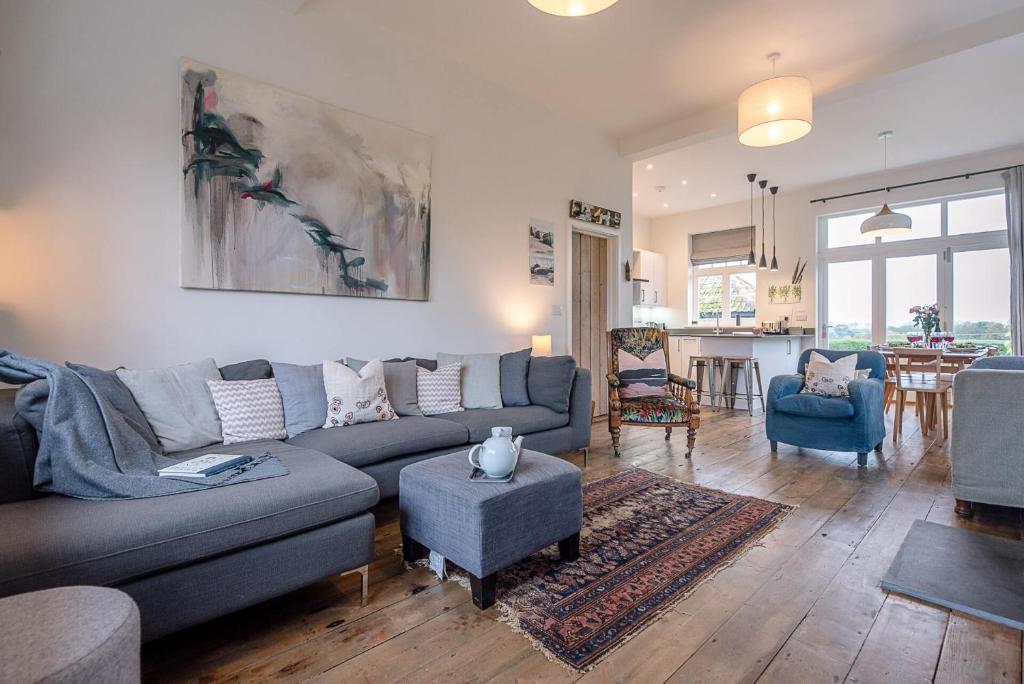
(412, 550)
(569, 548)
(483, 590)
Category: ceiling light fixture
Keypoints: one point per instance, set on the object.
(762, 265)
(775, 111)
(684, 182)
(665, 205)
(572, 8)
(751, 177)
(775, 262)
(886, 221)
(714, 195)
(650, 166)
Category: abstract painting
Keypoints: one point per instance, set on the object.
(591, 213)
(283, 193)
(542, 253)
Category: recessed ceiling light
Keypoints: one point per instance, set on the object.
(713, 195)
(684, 182)
(665, 205)
(635, 194)
(650, 166)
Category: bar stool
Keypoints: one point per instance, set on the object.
(711, 366)
(732, 365)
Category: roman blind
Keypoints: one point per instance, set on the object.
(720, 245)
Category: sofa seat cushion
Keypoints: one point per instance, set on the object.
(56, 540)
(815, 406)
(522, 419)
(367, 443)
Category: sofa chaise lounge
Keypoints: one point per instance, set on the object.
(190, 557)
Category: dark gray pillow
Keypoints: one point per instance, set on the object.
(400, 383)
(426, 364)
(303, 395)
(513, 368)
(31, 399)
(257, 369)
(549, 381)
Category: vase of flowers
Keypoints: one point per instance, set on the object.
(926, 317)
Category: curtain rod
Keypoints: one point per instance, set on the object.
(910, 185)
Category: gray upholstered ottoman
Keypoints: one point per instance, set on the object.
(70, 634)
(485, 527)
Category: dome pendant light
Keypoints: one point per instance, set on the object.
(572, 8)
(751, 177)
(886, 221)
(775, 262)
(775, 111)
(762, 265)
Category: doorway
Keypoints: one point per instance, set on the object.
(590, 311)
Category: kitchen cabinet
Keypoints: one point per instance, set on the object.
(651, 271)
(680, 349)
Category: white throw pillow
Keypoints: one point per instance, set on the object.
(356, 397)
(439, 391)
(829, 378)
(248, 409)
(481, 378)
(177, 403)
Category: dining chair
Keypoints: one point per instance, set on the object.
(921, 371)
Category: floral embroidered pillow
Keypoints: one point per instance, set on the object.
(642, 377)
(356, 397)
(829, 378)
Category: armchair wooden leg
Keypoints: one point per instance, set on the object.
(965, 509)
(878, 447)
(615, 439)
(668, 433)
(691, 439)
(774, 446)
(862, 459)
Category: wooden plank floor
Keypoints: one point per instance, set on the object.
(804, 606)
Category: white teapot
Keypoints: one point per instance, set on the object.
(498, 455)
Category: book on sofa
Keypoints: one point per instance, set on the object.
(204, 466)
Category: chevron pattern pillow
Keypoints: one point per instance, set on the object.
(439, 391)
(248, 409)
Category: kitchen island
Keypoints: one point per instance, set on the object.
(777, 354)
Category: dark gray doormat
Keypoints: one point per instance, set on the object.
(967, 571)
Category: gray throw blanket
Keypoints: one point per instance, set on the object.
(89, 450)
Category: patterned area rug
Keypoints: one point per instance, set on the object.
(648, 541)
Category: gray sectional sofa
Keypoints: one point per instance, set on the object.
(190, 557)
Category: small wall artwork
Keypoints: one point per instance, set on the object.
(542, 253)
(591, 213)
(283, 193)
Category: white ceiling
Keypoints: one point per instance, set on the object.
(661, 77)
(961, 104)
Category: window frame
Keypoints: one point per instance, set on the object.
(943, 247)
(724, 269)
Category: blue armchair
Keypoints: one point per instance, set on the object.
(832, 424)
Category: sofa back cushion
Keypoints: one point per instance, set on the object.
(257, 369)
(177, 403)
(549, 381)
(18, 446)
(303, 395)
(248, 409)
(513, 369)
(481, 378)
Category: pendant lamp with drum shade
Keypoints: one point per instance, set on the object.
(775, 111)
(762, 265)
(886, 221)
(751, 177)
(775, 262)
(572, 8)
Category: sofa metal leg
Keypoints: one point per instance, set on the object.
(965, 509)
(364, 592)
(586, 456)
(483, 589)
(774, 446)
(862, 458)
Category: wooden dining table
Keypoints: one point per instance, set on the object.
(954, 359)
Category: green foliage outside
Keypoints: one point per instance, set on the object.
(853, 337)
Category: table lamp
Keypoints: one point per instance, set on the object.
(541, 345)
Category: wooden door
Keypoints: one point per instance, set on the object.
(590, 311)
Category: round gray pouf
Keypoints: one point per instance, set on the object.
(70, 634)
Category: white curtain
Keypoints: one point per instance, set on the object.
(1014, 179)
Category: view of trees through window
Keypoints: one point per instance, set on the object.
(725, 290)
(962, 245)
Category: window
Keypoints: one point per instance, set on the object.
(724, 290)
(955, 255)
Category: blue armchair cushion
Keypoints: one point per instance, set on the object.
(815, 406)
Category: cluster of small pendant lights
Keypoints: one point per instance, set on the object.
(762, 264)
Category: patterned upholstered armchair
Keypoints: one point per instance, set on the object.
(642, 389)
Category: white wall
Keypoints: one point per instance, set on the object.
(90, 187)
(797, 220)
